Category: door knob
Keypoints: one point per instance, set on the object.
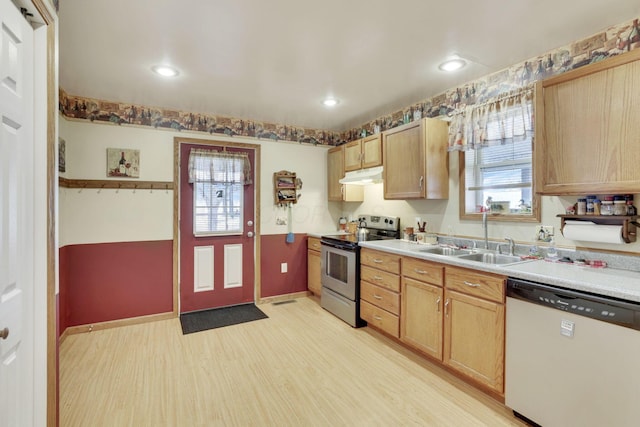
(250, 234)
(4, 333)
(250, 223)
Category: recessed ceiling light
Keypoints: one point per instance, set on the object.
(165, 70)
(452, 64)
(330, 102)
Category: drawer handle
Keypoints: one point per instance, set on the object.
(377, 296)
(377, 261)
(473, 285)
(438, 305)
(378, 318)
(377, 278)
(421, 271)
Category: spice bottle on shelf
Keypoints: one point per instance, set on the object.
(607, 206)
(619, 206)
(631, 210)
(582, 207)
(596, 207)
(589, 208)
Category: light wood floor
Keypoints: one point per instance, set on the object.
(300, 367)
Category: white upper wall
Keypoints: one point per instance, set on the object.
(99, 216)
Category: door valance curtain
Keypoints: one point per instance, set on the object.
(207, 165)
(504, 119)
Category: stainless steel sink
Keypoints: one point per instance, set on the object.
(444, 250)
(492, 258)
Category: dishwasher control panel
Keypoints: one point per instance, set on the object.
(623, 313)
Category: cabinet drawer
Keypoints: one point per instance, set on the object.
(471, 282)
(380, 278)
(381, 297)
(313, 243)
(380, 260)
(380, 318)
(424, 271)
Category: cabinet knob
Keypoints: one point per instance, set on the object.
(4, 333)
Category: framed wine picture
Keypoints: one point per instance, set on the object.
(123, 163)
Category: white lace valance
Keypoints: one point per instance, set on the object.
(207, 165)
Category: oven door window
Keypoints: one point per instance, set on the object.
(338, 266)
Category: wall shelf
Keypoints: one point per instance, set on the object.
(629, 223)
(115, 184)
(285, 188)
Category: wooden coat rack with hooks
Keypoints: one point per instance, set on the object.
(117, 184)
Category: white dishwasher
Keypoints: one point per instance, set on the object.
(572, 358)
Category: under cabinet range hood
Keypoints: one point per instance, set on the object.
(363, 176)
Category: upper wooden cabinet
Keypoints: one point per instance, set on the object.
(416, 161)
(588, 132)
(363, 153)
(335, 171)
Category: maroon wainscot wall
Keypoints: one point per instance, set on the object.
(111, 281)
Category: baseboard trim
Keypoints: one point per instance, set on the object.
(284, 297)
(115, 324)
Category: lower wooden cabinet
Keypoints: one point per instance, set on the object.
(454, 315)
(421, 320)
(474, 325)
(474, 338)
(313, 265)
(380, 290)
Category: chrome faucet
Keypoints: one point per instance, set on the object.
(512, 245)
(486, 229)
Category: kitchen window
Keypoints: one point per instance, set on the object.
(495, 140)
(218, 180)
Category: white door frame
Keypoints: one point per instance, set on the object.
(45, 215)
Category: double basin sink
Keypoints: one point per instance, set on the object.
(477, 255)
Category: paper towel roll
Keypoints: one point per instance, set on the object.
(590, 232)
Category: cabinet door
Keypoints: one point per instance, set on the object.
(404, 162)
(335, 171)
(371, 151)
(421, 317)
(474, 338)
(313, 271)
(588, 132)
(353, 155)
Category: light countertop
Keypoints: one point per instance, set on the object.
(623, 284)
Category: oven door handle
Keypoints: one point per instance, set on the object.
(337, 246)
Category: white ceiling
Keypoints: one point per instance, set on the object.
(276, 60)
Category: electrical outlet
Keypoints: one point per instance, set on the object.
(283, 267)
(544, 233)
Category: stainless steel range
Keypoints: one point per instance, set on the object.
(340, 265)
